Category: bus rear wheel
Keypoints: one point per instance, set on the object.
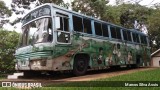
(80, 65)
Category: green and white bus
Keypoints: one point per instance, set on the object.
(57, 39)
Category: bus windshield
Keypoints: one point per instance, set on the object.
(39, 12)
(37, 31)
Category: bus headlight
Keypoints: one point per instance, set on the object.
(36, 63)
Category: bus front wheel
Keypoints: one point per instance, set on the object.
(80, 65)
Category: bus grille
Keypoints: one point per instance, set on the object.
(34, 54)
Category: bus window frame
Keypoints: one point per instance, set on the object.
(98, 30)
(115, 28)
(84, 25)
(142, 37)
(105, 26)
(136, 34)
(131, 36)
(64, 15)
(74, 15)
(21, 36)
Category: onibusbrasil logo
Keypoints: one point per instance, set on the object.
(21, 84)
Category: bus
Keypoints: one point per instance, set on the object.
(57, 39)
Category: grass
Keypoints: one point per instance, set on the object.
(149, 75)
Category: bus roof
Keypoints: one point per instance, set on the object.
(82, 15)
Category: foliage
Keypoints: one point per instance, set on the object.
(8, 43)
(19, 6)
(154, 29)
(26, 3)
(126, 14)
(94, 8)
(4, 12)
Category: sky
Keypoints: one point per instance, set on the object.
(17, 27)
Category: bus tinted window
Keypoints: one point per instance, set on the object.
(118, 32)
(125, 35)
(87, 26)
(66, 24)
(98, 29)
(105, 30)
(43, 11)
(77, 24)
(113, 32)
(129, 35)
(135, 37)
(143, 39)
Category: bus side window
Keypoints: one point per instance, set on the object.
(143, 39)
(129, 36)
(118, 33)
(98, 29)
(134, 37)
(87, 26)
(63, 37)
(66, 24)
(77, 24)
(113, 32)
(125, 35)
(105, 30)
(62, 23)
(137, 38)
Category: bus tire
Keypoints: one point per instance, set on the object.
(80, 65)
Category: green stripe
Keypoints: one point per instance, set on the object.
(35, 54)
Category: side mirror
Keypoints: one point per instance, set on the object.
(57, 19)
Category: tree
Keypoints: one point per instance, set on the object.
(8, 43)
(94, 8)
(19, 6)
(154, 29)
(126, 14)
(4, 13)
